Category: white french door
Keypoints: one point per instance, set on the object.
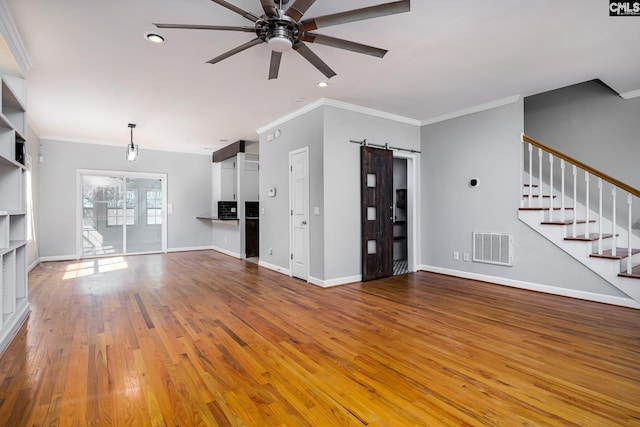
(121, 213)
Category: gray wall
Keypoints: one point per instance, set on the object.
(486, 145)
(303, 131)
(188, 187)
(590, 122)
(33, 149)
(342, 181)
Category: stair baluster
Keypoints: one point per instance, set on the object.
(613, 226)
(600, 218)
(551, 187)
(574, 227)
(629, 229)
(586, 204)
(562, 202)
(540, 152)
(530, 174)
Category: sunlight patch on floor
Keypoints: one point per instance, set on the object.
(90, 267)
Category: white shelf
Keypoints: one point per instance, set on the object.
(13, 216)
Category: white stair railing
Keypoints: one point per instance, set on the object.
(576, 165)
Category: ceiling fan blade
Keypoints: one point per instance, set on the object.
(236, 9)
(238, 49)
(344, 44)
(308, 54)
(356, 15)
(299, 8)
(206, 27)
(274, 67)
(270, 8)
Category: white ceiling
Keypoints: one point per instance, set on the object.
(93, 72)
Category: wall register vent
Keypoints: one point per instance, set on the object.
(493, 248)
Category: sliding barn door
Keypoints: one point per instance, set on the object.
(376, 167)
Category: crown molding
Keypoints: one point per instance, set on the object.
(12, 37)
(326, 102)
(478, 108)
(631, 95)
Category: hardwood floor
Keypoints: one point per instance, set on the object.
(199, 338)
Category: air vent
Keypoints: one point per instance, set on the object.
(493, 248)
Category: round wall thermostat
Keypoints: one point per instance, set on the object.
(474, 182)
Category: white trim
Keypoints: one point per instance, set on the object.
(163, 177)
(33, 265)
(335, 282)
(466, 111)
(573, 293)
(16, 320)
(631, 95)
(326, 102)
(46, 138)
(227, 252)
(59, 258)
(14, 42)
(275, 268)
(307, 200)
(190, 249)
(413, 211)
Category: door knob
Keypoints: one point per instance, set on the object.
(303, 223)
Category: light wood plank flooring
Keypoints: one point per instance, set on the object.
(199, 338)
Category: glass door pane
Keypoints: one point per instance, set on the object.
(144, 215)
(102, 215)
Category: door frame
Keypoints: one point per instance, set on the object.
(124, 175)
(413, 188)
(307, 196)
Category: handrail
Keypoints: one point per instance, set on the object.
(578, 163)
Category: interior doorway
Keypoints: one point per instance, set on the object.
(299, 207)
(121, 213)
(400, 226)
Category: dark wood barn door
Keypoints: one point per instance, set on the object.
(376, 166)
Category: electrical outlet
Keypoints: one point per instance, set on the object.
(456, 255)
(270, 251)
(466, 256)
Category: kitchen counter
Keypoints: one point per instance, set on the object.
(219, 220)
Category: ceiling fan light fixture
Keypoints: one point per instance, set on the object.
(280, 44)
(132, 150)
(154, 38)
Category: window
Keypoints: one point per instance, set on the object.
(154, 207)
(114, 209)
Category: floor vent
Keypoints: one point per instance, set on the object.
(493, 248)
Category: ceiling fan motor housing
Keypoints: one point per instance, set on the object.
(280, 33)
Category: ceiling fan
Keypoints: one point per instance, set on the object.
(283, 30)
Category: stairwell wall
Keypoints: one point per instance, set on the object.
(592, 123)
(486, 145)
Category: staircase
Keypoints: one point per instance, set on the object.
(592, 223)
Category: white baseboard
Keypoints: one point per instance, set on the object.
(334, 282)
(589, 296)
(274, 267)
(226, 252)
(192, 248)
(16, 319)
(58, 258)
(33, 265)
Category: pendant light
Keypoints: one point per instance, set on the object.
(132, 150)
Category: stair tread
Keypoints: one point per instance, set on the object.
(589, 238)
(545, 196)
(620, 253)
(635, 273)
(567, 222)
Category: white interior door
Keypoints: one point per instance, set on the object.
(299, 207)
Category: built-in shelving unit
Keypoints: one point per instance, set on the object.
(13, 210)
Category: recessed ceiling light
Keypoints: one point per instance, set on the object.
(322, 83)
(155, 38)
